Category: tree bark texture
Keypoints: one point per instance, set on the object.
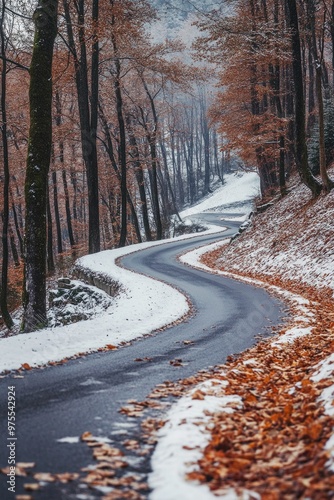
(38, 162)
(5, 215)
(301, 148)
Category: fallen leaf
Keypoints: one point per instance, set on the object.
(25, 465)
(111, 347)
(31, 486)
(44, 477)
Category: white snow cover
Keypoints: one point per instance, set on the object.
(296, 244)
(325, 370)
(238, 188)
(291, 335)
(181, 442)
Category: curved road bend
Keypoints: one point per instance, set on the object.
(85, 394)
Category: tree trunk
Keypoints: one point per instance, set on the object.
(152, 140)
(17, 226)
(110, 150)
(87, 115)
(5, 216)
(56, 209)
(68, 210)
(61, 157)
(50, 259)
(13, 246)
(328, 184)
(301, 148)
(169, 184)
(38, 163)
(141, 183)
(206, 140)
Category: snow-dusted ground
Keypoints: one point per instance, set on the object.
(182, 440)
(143, 305)
(295, 244)
(236, 195)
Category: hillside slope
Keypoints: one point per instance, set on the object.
(293, 240)
(279, 443)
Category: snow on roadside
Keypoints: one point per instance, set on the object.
(182, 439)
(238, 188)
(325, 370)
(303, 316)
(144, 305)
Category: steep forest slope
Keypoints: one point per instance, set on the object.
(292, 240)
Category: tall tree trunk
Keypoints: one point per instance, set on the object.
(38, 163)
(110, 150)
(57, 215)
(311, 99)
(122, 136)
(152, 141)
(301, 148)
(61, 158)
(87, 115)
(328, 184)
(13, 246)
(206, 141)
(17, 225)
(50, 259)
(68, 210)
(140, 181)
(5, 216)
(169, 184)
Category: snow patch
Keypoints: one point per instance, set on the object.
(182, 440)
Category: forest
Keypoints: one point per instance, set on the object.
(106, 133)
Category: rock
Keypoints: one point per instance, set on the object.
(65, 283)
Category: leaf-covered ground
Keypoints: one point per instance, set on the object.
(279, 443)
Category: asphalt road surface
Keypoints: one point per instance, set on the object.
(86, 394)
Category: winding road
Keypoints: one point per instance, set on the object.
(86, 394)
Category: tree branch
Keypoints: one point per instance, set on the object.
(17, 64)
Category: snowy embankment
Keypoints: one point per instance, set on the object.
(293, 239)
(236, 196)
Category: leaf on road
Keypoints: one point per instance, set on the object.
(25, 465)
(32, 486)
(87, 436)
(176, 362)
(111, 347)
(44, 477)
